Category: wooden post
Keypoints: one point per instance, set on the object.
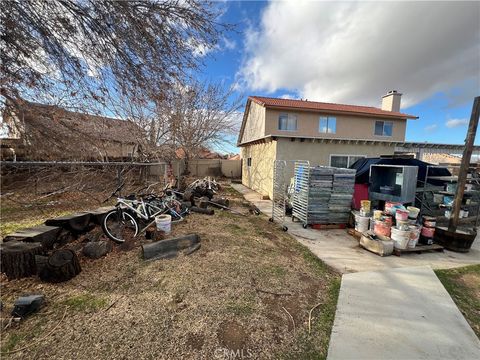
(465, 164)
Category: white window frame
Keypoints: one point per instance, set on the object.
(383, 127)
(288, 118)
(348, 158)
(328, 118)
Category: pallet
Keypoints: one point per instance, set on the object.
(419, 249)
(356, 234)
(328, 226)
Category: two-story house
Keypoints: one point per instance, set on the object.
(322, 133)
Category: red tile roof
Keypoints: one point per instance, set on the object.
(320, 106)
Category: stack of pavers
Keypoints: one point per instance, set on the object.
(340, 202)
(319, 194)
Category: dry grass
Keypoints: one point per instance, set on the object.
(214, 302)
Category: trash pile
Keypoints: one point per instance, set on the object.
(396, 226)
(201, 187)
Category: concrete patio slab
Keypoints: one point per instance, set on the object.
(342, 252)
(399, 314)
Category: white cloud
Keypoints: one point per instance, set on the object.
(288, 96)
(431, 127)
(229, 44)
(452, 123)
(355, 52)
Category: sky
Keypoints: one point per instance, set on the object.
(353, 53)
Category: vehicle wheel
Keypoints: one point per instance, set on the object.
(305, 226)
(271, 219)
(119, 226)
(285, 228)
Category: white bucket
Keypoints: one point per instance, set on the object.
(413, 212)
(400, 238)
(414, 236)
(361, 223)
(164, 223)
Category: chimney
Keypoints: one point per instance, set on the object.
(391, 101)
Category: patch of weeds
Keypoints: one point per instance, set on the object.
(463, 285)
(228, 190)
(315, 345)
(317, 265)
(224, 214)
(235, 229)
(276, 270)
(86, 302)
(240, 307)
(13, 340)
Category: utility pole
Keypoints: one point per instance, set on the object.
(467, 154)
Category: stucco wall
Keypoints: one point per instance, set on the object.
(255, 124)
(319, 153)
(231, 168)
(348, 127)
(258, 176)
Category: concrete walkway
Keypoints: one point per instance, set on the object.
(398, 311)
(399, 314)
(342, 252)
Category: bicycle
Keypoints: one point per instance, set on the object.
(129, 213)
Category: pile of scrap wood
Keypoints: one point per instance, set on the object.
(202, 187)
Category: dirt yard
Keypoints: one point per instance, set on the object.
(463, 284)
(246, 293)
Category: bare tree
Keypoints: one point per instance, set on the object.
(99, 50)
(200, 115)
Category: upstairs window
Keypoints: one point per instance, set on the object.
(327, 125)
(383, 128)
(287, 122)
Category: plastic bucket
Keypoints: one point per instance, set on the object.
(382, 228)
(413, 212)
(429, 221)
(401, 215)
(361, 223)
(428, 232)
(365, 206)
(391, 206)
(377, 214)
(164, 223)
(400, 238)
(414, 236)
(403, 225)
(388, 219)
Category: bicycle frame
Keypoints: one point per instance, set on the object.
(144, 215)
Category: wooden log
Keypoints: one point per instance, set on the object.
(220, 201)
(98, 215)
(97, 249)
(40, 262)
(17, 258)
(46, 235)
(62, 265)
(170, 247)
(202, 211)
(465, 164)
(79, 222)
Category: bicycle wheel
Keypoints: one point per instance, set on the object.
(119, 225)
